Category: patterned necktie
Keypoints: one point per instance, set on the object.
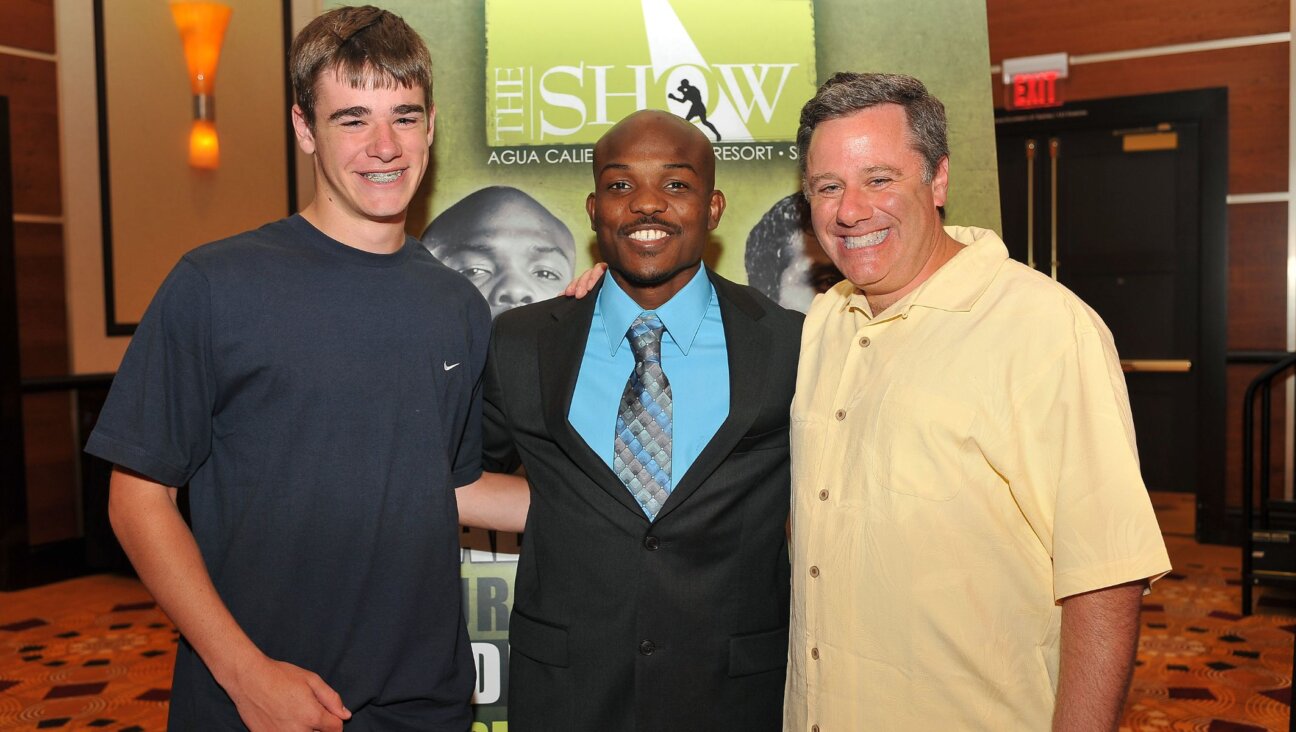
(643, 427)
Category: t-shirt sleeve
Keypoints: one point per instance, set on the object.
(157, 419)
(499, 454)
(1077, 478)
(467, 465)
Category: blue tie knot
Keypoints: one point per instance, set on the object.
(645, 337)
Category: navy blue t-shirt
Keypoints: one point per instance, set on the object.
(322, 403)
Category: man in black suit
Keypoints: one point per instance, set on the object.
(652, 590)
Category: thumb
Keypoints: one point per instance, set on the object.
(328, 698)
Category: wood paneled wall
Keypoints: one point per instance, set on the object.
(1257, 78)
(30, 83)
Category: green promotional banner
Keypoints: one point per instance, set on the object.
(523, 90)
(489, 565)
(686, 57)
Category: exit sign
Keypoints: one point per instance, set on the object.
(1035, 90)
(1034, 81)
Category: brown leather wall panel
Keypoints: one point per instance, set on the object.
(27, 24)
(31, 85)
(1257, 285)
(42, 307)
(1030, 27)
(50, 448)
(53, 492)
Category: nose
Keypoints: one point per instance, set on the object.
(511, 292)
(647, 201)
(384, 145)
(855, 205)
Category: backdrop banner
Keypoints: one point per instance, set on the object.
(523, 90)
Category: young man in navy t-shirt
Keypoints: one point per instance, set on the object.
(314, 383)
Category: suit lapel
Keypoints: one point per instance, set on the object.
(561, 348)
(747, 343)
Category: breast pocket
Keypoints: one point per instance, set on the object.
(923, 440)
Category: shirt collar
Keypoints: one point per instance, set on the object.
(955, 287)
(682, 314)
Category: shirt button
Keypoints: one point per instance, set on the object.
(840, 414)
(814, 653)
(823, 494)
(647, 647)
(864, 342)
(652, 543)
(814, 571)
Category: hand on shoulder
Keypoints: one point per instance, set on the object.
(585, 281)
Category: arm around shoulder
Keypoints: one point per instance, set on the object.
(497, 501)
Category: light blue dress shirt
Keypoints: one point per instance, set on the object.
(694, 359)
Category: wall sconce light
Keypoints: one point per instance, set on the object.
(202, 30)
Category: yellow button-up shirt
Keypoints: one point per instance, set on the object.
(961, 462)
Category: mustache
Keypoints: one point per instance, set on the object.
(625, 229)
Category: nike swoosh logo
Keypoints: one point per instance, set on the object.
(448, 366)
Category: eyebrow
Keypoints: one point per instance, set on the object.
(349, 112)
(875, 169)
(668, 166)
(359, 111)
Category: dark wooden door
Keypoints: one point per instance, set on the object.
(1113, 213)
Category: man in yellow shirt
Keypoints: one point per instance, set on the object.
(971, 535)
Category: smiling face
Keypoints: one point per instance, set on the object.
(654, 203)
(512, 249)
(370, 146)
(872, 211)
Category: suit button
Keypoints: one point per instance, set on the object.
(814, 571)
(814, 728)
(647, 647)
(814, 653)
(840, 414)
(864, 342)
(651, 543)
(823, 494)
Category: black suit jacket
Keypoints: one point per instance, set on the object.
(623, 624)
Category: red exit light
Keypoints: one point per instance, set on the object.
(1035, 90)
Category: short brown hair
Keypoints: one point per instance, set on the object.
(847, 93)
(363, 46)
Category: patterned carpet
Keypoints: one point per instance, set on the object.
(95, 653)
(1201, 665)
(91, 653)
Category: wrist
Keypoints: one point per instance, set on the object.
(233, 667)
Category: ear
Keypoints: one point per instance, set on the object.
(431, 124)
(940, 182)
(716, 210)
(589, 209)
(302, 128)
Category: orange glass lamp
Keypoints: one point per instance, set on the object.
(202, 30)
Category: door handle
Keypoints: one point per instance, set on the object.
(1030, 203)
(1155, 366)
(1054, 146)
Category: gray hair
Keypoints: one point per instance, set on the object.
(847, 92)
